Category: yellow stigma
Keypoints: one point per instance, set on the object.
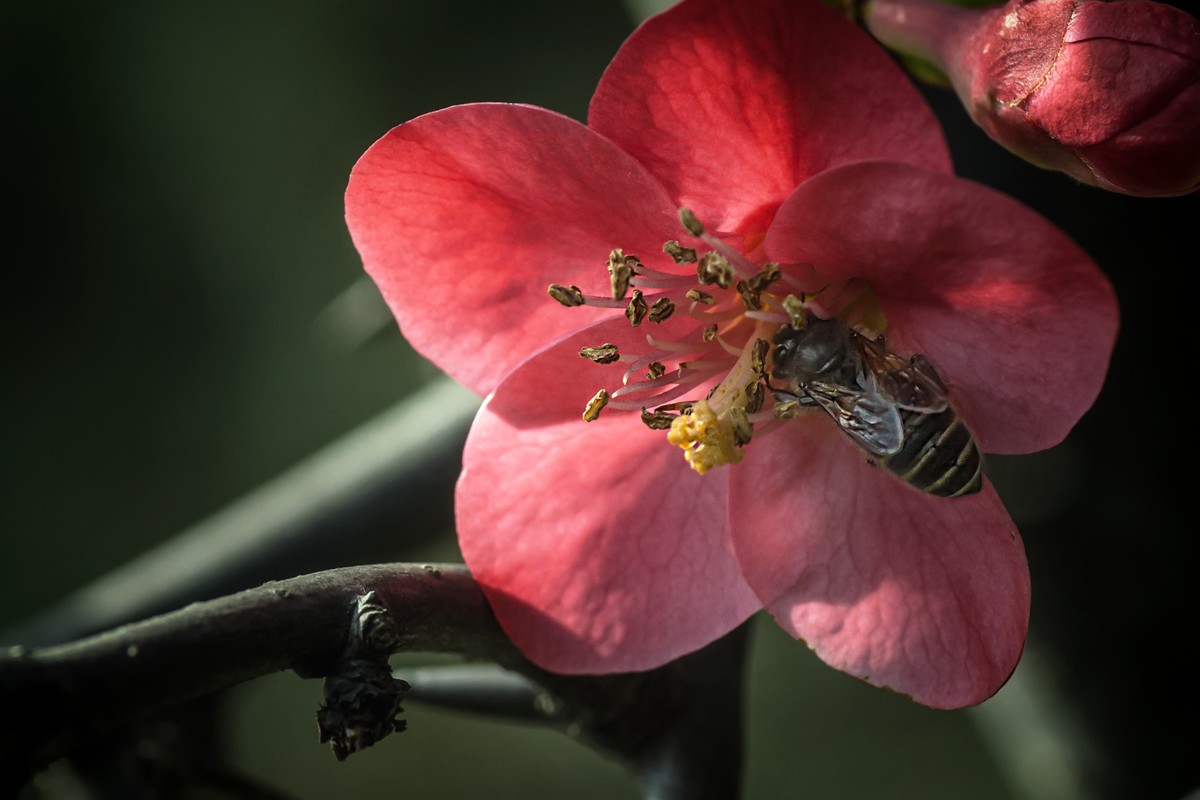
(707, 440)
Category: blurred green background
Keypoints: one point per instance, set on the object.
(173, 339)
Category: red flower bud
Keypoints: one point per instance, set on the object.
(1108, 92)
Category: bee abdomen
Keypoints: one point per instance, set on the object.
(938, 456)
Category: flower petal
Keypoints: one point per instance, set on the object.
(925, 595)
(1014, 315)
(599, 550)
(464, 216)
(733, 104)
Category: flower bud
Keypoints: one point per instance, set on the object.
(1107, 91)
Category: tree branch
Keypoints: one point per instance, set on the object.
(678, 727)
(67, 693)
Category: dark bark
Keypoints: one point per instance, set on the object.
(678, 727)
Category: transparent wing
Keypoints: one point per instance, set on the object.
(870, 419)
(911, 383)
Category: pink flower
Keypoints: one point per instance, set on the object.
(794, 139)
(1105, 91)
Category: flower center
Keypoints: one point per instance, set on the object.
(706, 385)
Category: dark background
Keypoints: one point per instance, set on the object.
(176, 245)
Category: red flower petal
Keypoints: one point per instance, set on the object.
(598, 548)
(921, 594)
(733, 104)
(464, 216)
(1014, 315)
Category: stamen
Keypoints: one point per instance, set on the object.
(786, 409)
(742, 266)
(569, 296)
(750, 296)
(661, 384)
(751, 290)
(718, 316)
(766, 276)
(758, 356)
(743, 431)
(754, 396)
(662, 397)
(685, 378)
(604, 354)
(661, 310)
(662, 280)
(795, 308)
(678, 253)
(690, 223)
(592, 410)
(635, 312)
(646, 360)
(676, 347)
(727, 347)
(705, 364)
(714, 268)
(767, 316)
(657, 420)
(693, 226)
(620, 269)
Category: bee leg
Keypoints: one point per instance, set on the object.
(799, 398)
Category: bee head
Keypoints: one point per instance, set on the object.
(817, 348)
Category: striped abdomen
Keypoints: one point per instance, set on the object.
(938, 456)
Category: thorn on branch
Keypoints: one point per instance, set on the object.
(362, 698)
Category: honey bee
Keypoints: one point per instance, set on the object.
(894, 408)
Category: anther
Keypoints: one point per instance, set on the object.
(751, 297)
(658, 420)
(743, 431)
(754, 396)
(569, 296)
(714, 268)
(661, 310)
(794, 306)
(655, 370)
(690, 222)
(620, 270)
(766, 276)
(697, 296)
(709, 333)
(604, 354)
(758, 357)
(592, 410)
(635, 312)
(786, 409)
(678, 253)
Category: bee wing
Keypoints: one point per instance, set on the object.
(911, 383)
(870, 419)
